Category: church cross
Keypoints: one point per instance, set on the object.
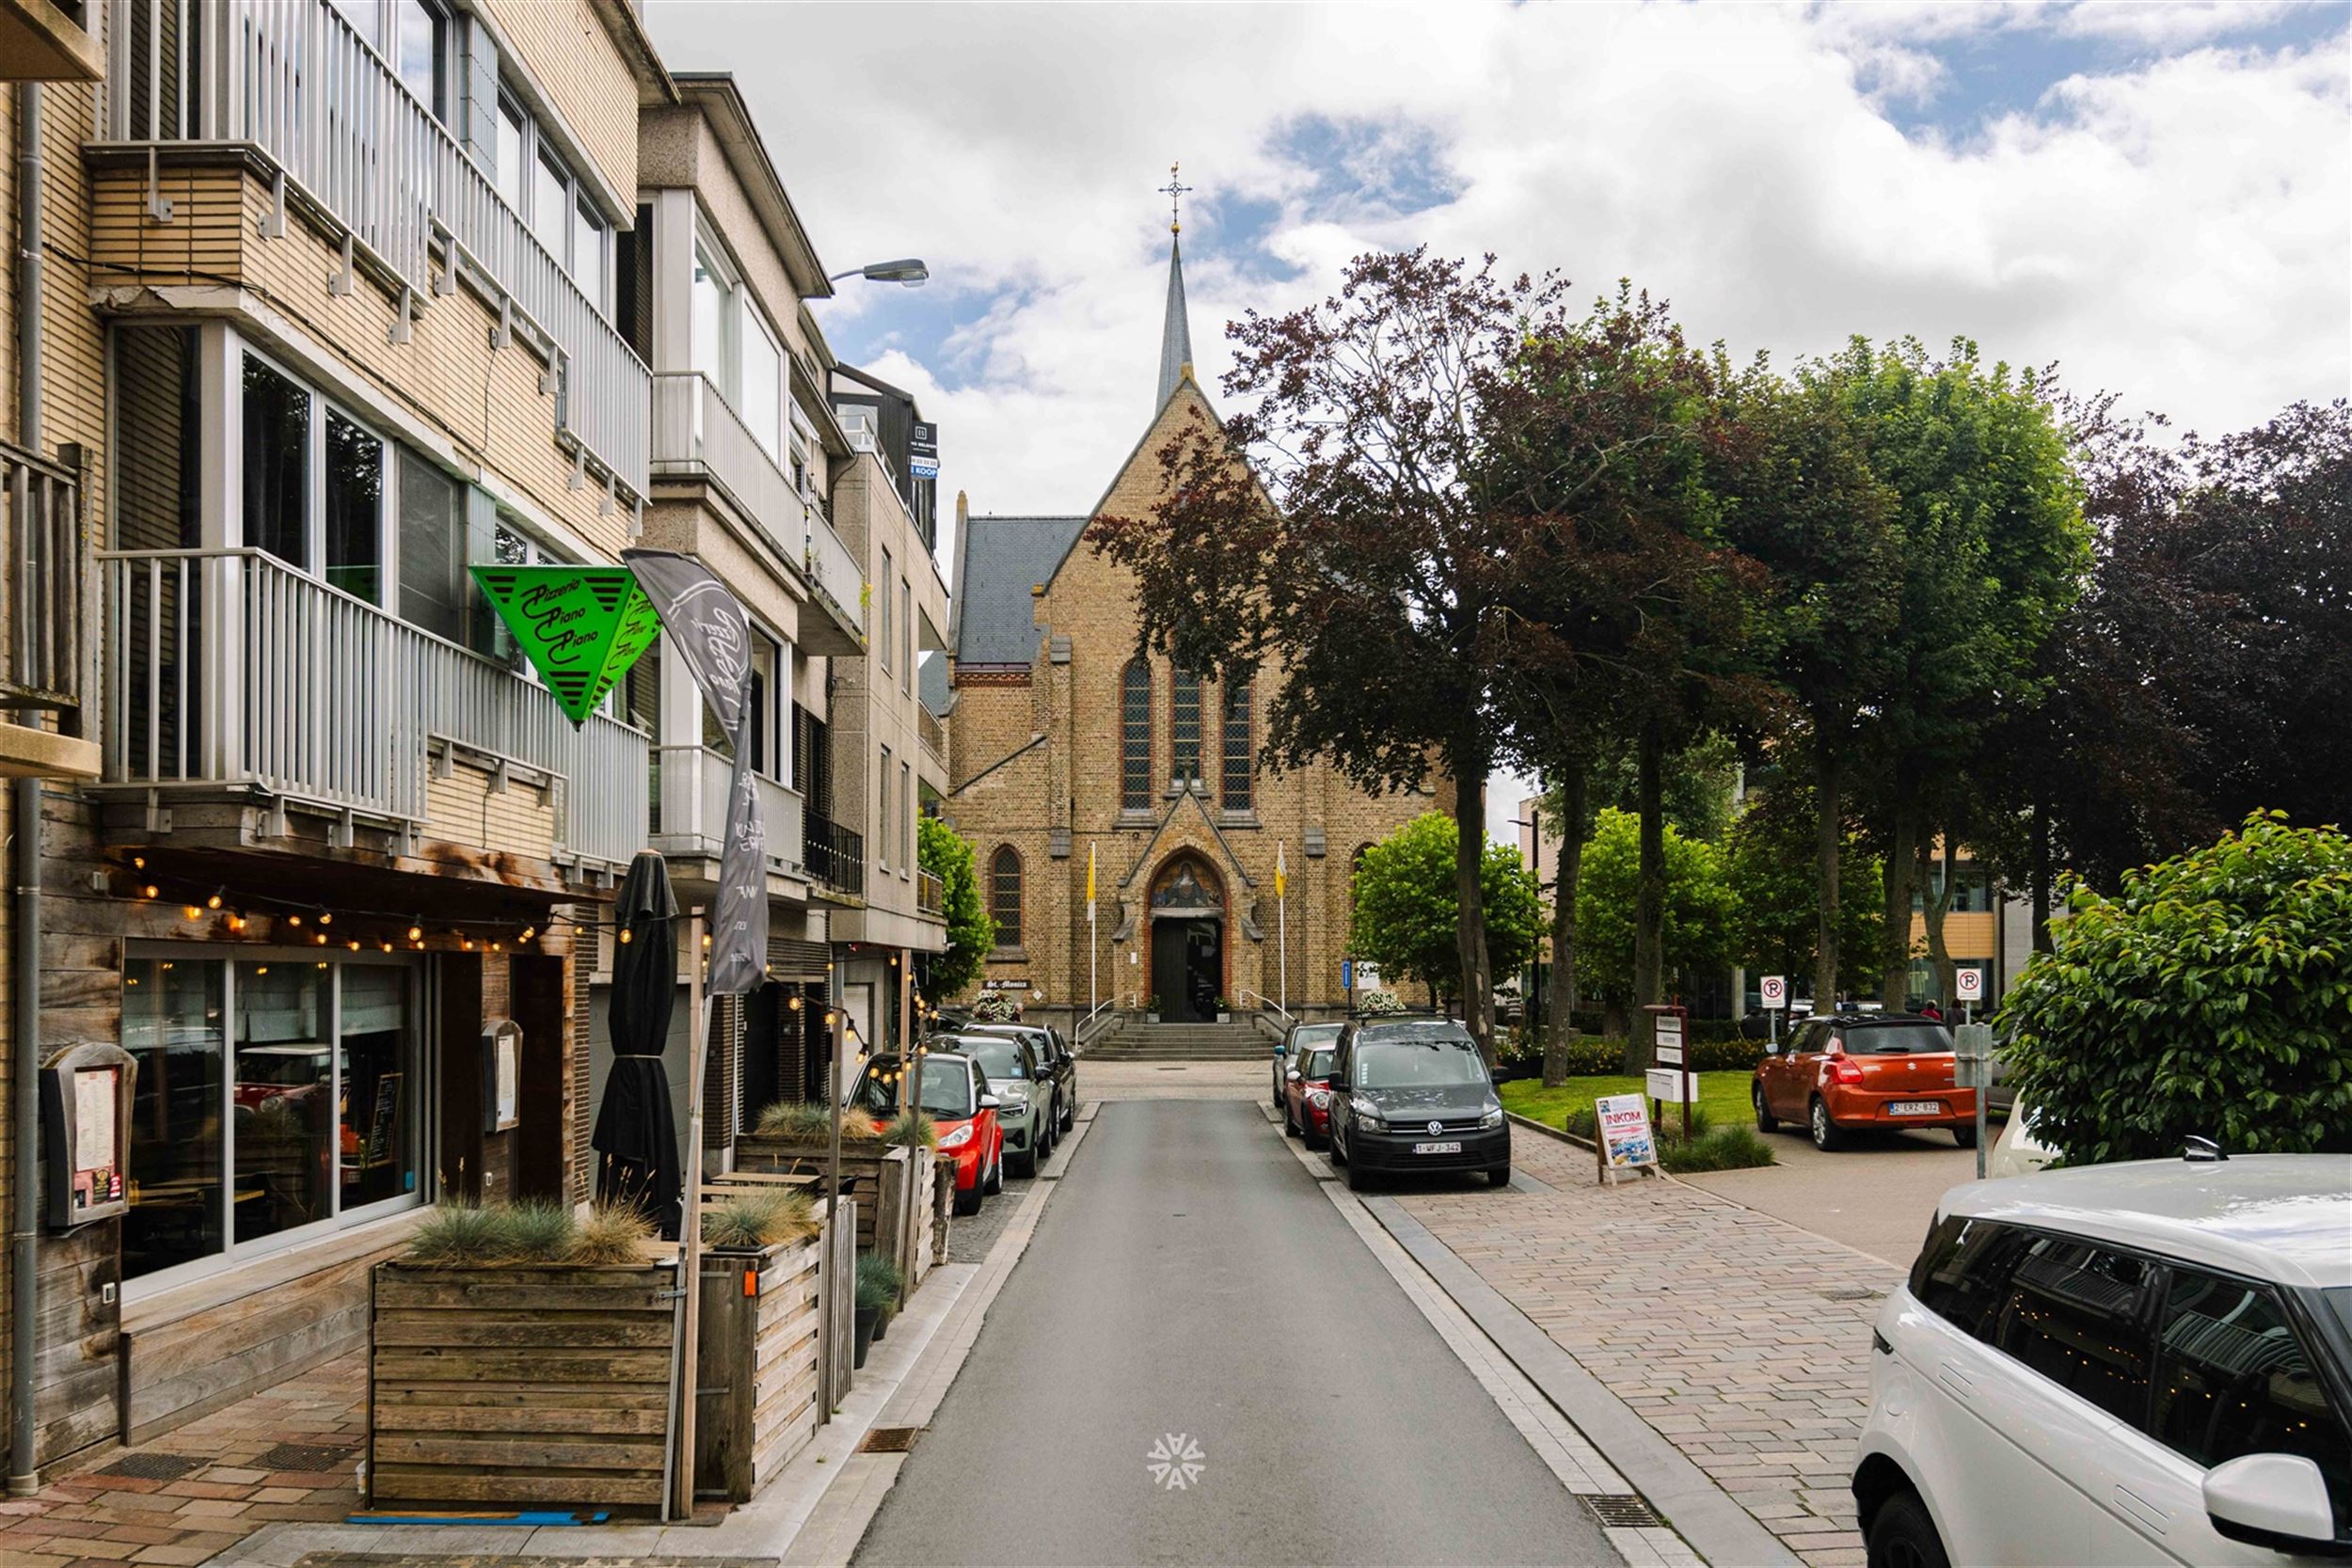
(1174, 192)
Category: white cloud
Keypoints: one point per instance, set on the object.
(2169, 23)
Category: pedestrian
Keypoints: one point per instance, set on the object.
(1932, 1010)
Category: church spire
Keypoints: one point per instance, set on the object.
(1176, 331)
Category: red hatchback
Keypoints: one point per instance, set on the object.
(1307, 1095)
(1854, 1071)
(956, 1097)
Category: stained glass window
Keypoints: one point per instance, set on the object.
(1236, 792)
(1004, 894)
(1134, 722)
(1185, 722)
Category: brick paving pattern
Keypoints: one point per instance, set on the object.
(1741, 1338)
(228, 1490)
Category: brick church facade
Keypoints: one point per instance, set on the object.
(1063, 741)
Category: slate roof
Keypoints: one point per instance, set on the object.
(1003, 558)
(1175, 329)
(930, 684)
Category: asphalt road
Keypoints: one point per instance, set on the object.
(1877, 1194)
(1189, 1285)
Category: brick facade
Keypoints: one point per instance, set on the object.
(1049, 743)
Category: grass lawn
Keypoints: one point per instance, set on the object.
(1723, 1096)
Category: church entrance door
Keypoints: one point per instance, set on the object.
(1187, 967)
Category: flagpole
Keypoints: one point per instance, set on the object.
(691, 1224)
(1283, 929)
(1093, 947)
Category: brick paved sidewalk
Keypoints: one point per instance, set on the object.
(292, 1452)
(1741, 1338)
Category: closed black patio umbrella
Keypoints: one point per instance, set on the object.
(636, 1136)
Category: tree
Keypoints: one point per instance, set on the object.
(1367, 552)
(971, 933)
(2210, 996)
(1698, 906)
(1772, 869)
(1405, 915)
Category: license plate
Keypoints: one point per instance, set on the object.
(1436, 1149)
(1915, 1108)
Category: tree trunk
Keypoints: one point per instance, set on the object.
(1902, 872)
(1574, 788)
(1932, 910)
(1470, 848)
(1649, 896)
(1829, 838)
(2041, 876)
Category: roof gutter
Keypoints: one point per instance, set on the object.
(24, 1023)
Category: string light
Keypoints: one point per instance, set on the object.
(355, 944)
(236, 922)
(416, 929)
(191, 912)
(319, 937)
(327, 917)
(138, 863)
(215, 901)
(624, 936)
(150, 890)
(388, 947)
(295, 920)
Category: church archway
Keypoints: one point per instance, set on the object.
(1188, 929)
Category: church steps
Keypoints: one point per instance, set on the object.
(1238, 1041)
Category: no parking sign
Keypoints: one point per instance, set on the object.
(1775, 990)
(1969, 984)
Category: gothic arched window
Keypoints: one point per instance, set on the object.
(1185, 728)
(1236, 736)
(1004, 894)
(1134, 737)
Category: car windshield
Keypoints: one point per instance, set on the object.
(999, 1058)
(1404, 1064)
(1318, 1063)
(947, 1088)
(1897, 1040)
(1310, 1034)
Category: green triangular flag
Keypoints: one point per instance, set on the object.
(580, 626)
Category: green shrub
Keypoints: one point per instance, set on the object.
(1725, 1148)
(1724, 1054)
(748, 1221)
(537, 1231)
(808, 1121)
(878, 1281)
(456, 1234)
(2211, 995)
(465, 1235)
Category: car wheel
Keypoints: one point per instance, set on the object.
(1027, 1168)
(993, 1182)
(1765, 1121)
(1070, 1117)
(1339, 1149)
(1357, 1179)
(968, 1199)
(1498, 1176)
(1290, 1126)
(1826, 1135)
(1903, 1536)
(1965, 1136)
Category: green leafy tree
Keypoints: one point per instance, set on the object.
(971, 933)
(1770, 865)
(1405, 914)
(1698, 904)
(2211, 995)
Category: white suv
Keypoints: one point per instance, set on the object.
(2143, 1363)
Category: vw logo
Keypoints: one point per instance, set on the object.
(1436, 1127)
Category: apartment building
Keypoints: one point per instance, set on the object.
(890, 751)
(327, 311)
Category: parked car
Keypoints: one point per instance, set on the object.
(2142, 1363)
(1845, 1072)
(1026, 1091)
(956, 1096)
(1307, 1093)
(1413, 1094)
(1296, 1037)
(1053, 1055)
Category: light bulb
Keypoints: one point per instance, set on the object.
(319, 937)
(294, 920)
(416, 930)
(214, 902)
(326, 918)
(138, 863)
(624, 936)
(355, 944)
(150, 890)
(191, 912)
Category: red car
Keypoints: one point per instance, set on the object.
(956, 1097)
(1851, 1072)
(1307, 1095)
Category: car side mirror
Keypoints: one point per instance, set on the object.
(2277, 1500)
(990, 1102)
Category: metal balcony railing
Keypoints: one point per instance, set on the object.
(696, 431)
(836, 856)
(931, 894)
(293, 80)
(695, 781)
(229, 667)
(41, 564)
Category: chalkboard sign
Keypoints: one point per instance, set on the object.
(386, 1118)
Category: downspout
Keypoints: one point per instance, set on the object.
(25, 1026)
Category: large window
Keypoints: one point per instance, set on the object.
(276, 1095)
(762, 400)
(1237, 747)
(882, 841)
(435, 591)
(1185, 729)
(1134, 737)
(734, 347)
(886, 643)
(355, 509)
(277, 464)
(1004, 894)
(538, 183)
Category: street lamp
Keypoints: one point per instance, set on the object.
(908, 271)
(1536, 866)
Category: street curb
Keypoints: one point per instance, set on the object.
(1706, 1516)
(1560, 1132)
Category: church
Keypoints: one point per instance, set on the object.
(1078, 765)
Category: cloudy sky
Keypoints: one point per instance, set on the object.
(2156, 197)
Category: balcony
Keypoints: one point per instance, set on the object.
(836, 858)
(228, 671)
(935, 736)
(341, 139)
(40, 666)
(697, 434)
(931, 893)
(695, 782)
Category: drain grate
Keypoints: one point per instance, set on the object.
(1620, 1510)
(152, 1466)
(311, 1457)
(889, 1440)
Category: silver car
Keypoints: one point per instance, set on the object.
(1298, 1037)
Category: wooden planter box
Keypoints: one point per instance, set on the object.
(532, 1382)
(756, 1377)
(878, 1175)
